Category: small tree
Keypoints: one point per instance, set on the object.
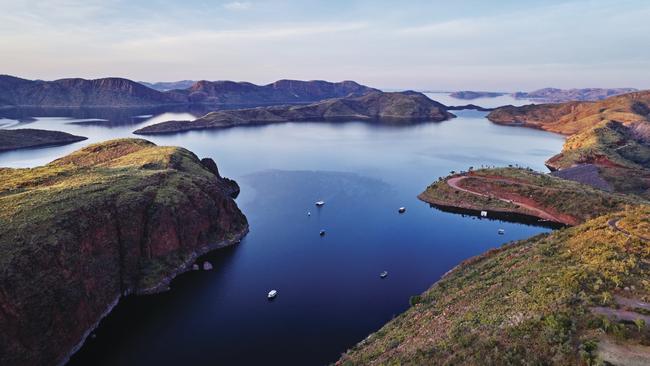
(640, 324)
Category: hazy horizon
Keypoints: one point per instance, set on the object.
(467, 45)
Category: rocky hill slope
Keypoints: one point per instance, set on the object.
(118, 92)
(79, 233)
(555, 95)
(577, 296)
(107, 92)
(573, 117)
(279, 92)
(405, 107)
(27, 137)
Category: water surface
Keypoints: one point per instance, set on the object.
(330, 293)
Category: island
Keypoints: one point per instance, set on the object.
(29, 138)
(469, 95)
(112, 219)
(384, 107)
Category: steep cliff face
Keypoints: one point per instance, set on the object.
(396, 108)
(113, 218)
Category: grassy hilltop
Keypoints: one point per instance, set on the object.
(571, 297)
(116, 217)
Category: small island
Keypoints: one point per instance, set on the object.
(115, 218)
(388, 108)
(30, 138)
(469, 95)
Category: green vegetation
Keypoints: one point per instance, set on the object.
(623, 157)
(574, 117)
(79, 232)
(506, 189)
(530, 302)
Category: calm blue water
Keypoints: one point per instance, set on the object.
(330, 294)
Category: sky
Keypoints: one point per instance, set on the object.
(499, 45)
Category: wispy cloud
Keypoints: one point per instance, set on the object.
(237, 5)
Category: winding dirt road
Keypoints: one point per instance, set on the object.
(453, 182)
(613, 223)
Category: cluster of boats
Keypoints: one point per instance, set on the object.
(274, 293)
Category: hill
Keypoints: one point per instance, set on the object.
(164, 86)
(555, 95)
(118, 92)
(107, 92)
(119, 217)
(405, 107)
(577, 296)
(26, 138)
(279, 92)
(469, 95)
(573, 117)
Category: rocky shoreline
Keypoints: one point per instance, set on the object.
(162, 286)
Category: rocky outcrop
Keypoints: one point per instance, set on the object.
(120, 217)
(393, 108)
(26, 138)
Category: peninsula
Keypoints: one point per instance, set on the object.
(119, 217)
(28, 138)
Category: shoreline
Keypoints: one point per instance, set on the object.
(162, 286)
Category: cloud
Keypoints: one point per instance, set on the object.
(237, 5)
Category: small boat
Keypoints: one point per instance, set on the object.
(308, 213)
(383, 274)
(501, 232)
(272, 294)
(401, 210)
(483, 213)
(320, 203)
(322, 233)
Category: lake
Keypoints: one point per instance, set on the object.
(330, 294)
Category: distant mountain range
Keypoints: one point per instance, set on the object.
(550, 95)
(118, 92)
(164, 86)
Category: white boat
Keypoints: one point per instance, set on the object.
(272, 294)
(320, 203)
(402, 209)
(483, 213)
(308, 213)
(383, 274)
(501, 232)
